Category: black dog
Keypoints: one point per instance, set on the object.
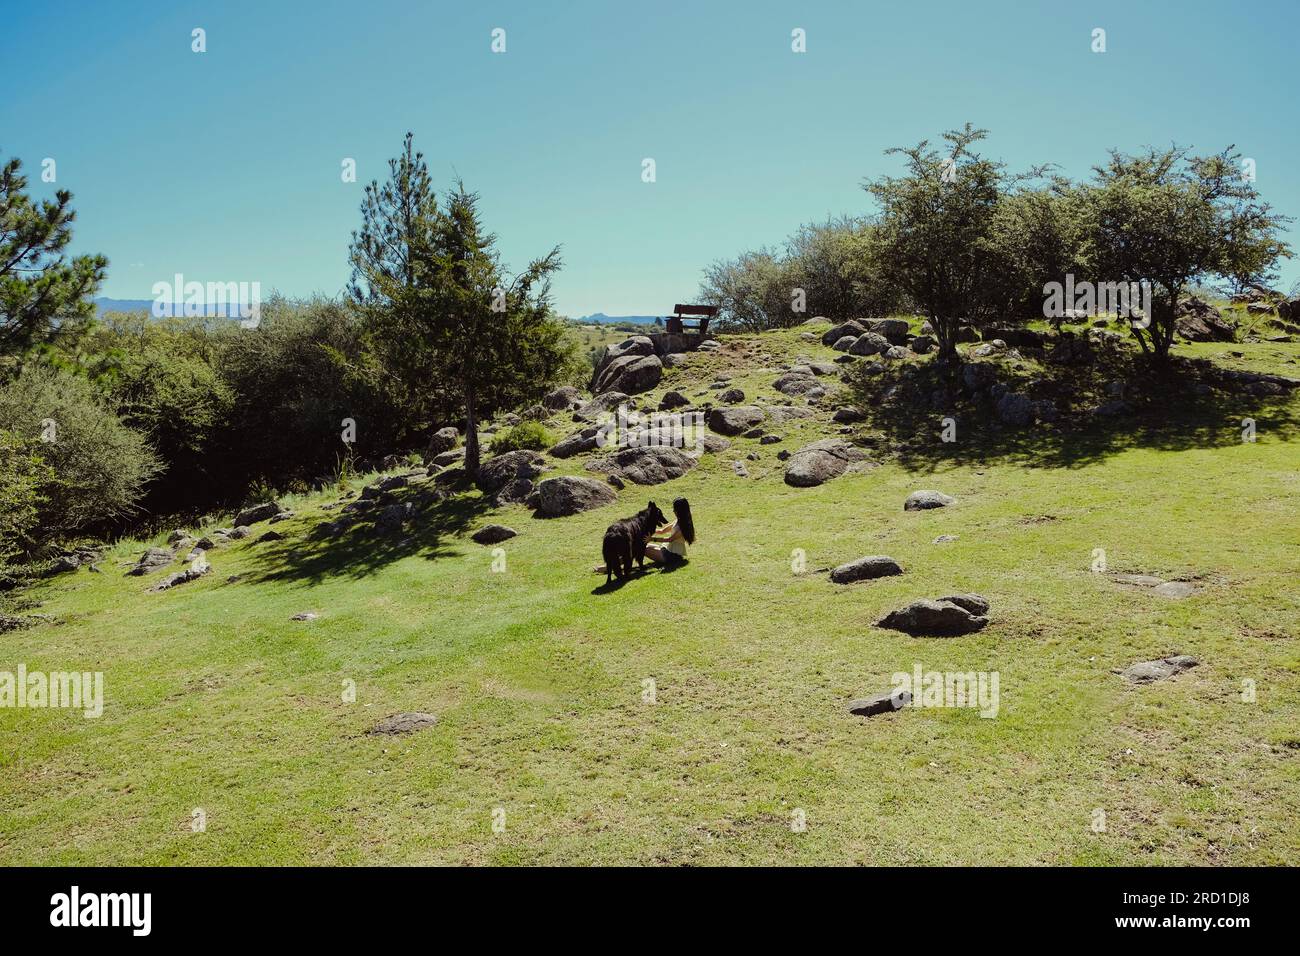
(626, 538)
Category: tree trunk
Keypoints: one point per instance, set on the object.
(945, 330)
(1162, 329)
(471, 435)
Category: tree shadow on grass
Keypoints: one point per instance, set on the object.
(1167, 411)
(364, 549)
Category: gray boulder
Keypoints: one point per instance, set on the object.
(869, 343)
(443, 440)
(731, 396)
(795, 384)
(820, 462)
(1015, 410)
(563, 399)
(1145, 672)
(673, 399)
(515, 491)
(922, 500)
(493, 534)
(885, 703)
(974, 603)
(842, 329)
(895, 330)
(569, 495)
(576, 444)
(496, 473)
(259, 512)
(649, 465)
(845, 343)
(449, 457)
(933, 618)
(605, 402)
(151, 560)
(735, 419)
(864, 569)
(638, 376)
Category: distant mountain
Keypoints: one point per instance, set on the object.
(104, 304)
(600, 318)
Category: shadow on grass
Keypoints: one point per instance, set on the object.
(363, 549)
(1166, 410)
(650, 568)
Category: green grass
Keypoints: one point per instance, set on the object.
(216, 700)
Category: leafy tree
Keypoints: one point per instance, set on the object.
(99, 466)
(43, 293)
(23, 477)
(1040, 235)
(752, 292)
(829, 261)
(935, 234)
(444, 317)
(292, 388)
(1173, 220)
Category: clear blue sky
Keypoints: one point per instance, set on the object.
(225, 166)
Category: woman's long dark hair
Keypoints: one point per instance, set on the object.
(685, 523)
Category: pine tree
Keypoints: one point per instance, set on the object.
(43, 293)
(442, 314)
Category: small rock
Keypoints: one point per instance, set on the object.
(493, 534)
(946, 538)
(305, 616)
(885, 703)
(923, 500)
(258, 512)
(1145, 672)
(270, 536)
(872, 566)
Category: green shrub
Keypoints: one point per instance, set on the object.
(23, 475)
(532, 435)
(100, 466)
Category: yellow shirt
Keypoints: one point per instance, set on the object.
(676, 543)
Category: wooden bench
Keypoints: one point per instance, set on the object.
(691, 319)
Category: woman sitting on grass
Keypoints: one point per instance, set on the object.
(673, 538)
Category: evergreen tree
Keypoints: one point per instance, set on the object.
(443, 317)
(43, 293)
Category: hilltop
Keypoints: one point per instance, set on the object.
(697, 715)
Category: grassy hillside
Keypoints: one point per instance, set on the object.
(216, 699)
